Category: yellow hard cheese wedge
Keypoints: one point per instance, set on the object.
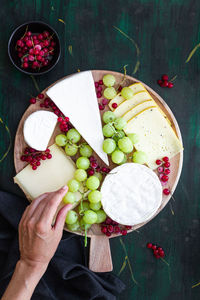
(137, 109)
(50, 176)
(128, 104)
(136, 87)
(156, 137)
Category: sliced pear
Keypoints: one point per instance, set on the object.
(136, 87)
(156, 137)
(128, 104)
(138, 108)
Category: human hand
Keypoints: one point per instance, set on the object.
(38, 239)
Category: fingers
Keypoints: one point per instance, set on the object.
(47, 209)
(34, 204)
(60, 219)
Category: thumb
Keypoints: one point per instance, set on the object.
(60, 219)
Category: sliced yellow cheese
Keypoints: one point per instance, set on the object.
(138, 108)
(156, 137)
(136, 87)
(128, 104)
(50, 176)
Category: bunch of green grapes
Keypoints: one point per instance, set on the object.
(89, 210)
(70, 140)
(117, 144)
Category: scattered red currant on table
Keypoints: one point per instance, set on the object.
(164, 82)
(158, 252)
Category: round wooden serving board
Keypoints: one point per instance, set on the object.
(100, 256)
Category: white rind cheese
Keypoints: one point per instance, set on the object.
(75, 96)
(38, 129)
(131, 194)
(51, 175)
(156, 137)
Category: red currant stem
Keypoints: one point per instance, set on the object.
(172, 211)
(25, 55)
(10, 140)
(32, 41)
(85, 243)
(35, 83)
(173, 78)
(165, 261)
(124, 77)
(51, 36)
(128, 261)
(195, 285)
(123, 265)
(51, 50)
(24, 33)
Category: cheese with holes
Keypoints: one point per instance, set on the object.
(50, 176)
(131, 194)
(156, 137)
(137, 108)
(38, 129)
(76, 97)
(136, 87)
(128, 104)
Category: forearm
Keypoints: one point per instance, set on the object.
(24, 280)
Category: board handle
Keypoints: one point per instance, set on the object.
(100, 259)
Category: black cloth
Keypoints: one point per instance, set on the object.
(67, 276)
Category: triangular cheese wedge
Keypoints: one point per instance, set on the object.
(75, 96)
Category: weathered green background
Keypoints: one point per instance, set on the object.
(166, 31)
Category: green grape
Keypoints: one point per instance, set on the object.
(118, 135)
(73, 227)
(73, 135)
(80, 175)
(90, 217)
(120, 123)
(95, 206)
(92, 183)
(84, 207)
(108, 80)
(98, 175)
(69, 198)
(127, 93)
(108, 116)
(83, 225)
(71, 217)
(124, 160)
(108, 130)
(101, 216)
(85, 150)
(133, 137)
(83, 163)
(125, 145)
(117, 156)
(73, 185)
(71, 149)
(139, 157)
(109, 93)
(94, 196)
(109, 145)
(61, 140)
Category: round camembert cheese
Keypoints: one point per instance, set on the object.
(131, 194)
(38, 129)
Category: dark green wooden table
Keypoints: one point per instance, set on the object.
(166, 32)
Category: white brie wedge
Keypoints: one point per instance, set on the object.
(75, 96)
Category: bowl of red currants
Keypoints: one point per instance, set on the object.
(34, 48)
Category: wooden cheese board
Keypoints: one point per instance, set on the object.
(100, 255)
